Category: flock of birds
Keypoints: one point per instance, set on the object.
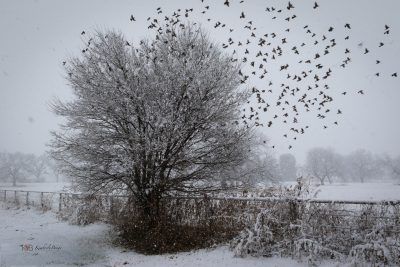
(304, 78)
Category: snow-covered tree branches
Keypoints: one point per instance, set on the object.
(153, 120)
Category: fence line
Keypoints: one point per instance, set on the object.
(250, 199)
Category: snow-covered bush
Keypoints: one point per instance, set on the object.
(46, 202)
(378, 246)
(312, 251)
(312, 232)
(271, 233)
(82, 211)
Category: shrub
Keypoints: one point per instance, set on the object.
(167, 235)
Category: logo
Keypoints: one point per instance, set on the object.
(26, 247)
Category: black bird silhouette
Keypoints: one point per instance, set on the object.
(394, 74)
(83, 32)
(242, 16)
(315, 5)
(226, 3)
(290, 6)
(360, 92)
(347, 25)
(132, 18)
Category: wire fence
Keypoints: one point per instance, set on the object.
(235, 211)
(33, 198)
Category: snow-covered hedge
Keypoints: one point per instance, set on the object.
(83, 210)
(312, 232)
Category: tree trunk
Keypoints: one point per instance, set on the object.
(150, 209)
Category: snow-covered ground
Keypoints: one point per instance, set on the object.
(357, 191)
(49, 242)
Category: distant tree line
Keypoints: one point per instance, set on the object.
(326, 165)
(20, 167)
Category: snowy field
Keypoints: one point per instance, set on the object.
(49, 242)
(357, 191)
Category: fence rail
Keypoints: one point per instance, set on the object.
(250, 199)
(236, 211)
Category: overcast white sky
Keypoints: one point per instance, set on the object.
(36, 36)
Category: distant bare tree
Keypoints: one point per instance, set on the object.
(393, 165)
(260, 165)
(154, 120)
(13, 166)
(54, 168)
(37, 166)
(287, 167)
(323, 164)
(361, 165)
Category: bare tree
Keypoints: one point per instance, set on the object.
(361, 165)
(393, 166)
(13, 166)
(154, 120)
(54, 168)
(37, 166)
(260, 165)
(287, 167)
(323, 164)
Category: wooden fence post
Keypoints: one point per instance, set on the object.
(27, 198)
(41, 199)
(15, 196)
(59, 204)
(5, 195)
(112, 207)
